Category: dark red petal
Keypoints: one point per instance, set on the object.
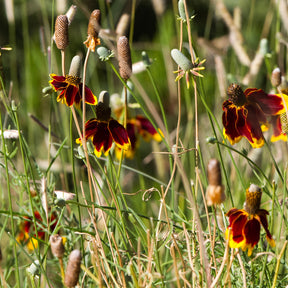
(270, 104)
(229, 120)
(241, 124)
(89, 96)
(253, 120)
(237, 228)
(91, 127)
(58, 85)
(118, 132)
(262, 213)
(233, 214)
(102, 138)
(252, 232)
(70, 94)
(276, 124)
(131, 134)
(58, 78)
(146, 125)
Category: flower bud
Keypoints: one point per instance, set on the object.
(276, 77)
(61, 32)
(184, 63)
(181, 10)
(253, 199)
(57, 246)
(124, 57)
(215, 190)
(75, 67)
(73, 269)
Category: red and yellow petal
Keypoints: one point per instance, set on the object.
(237, 227)
(102, 139)
(146, 129)
(119, 134)
(90, 98)
(262, 214)
(70, 94)
(277, 129)
(270, 104)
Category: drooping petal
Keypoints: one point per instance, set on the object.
(237, 228)
(102, 139)
(146, 129)
(252, 234)
(70, 94)
(229, 122)
(277, 129)
(90, 98)
(262, 214)
(270, 104)
(91, 127)
(58, 85)
(119, 134)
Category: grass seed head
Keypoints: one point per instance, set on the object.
(73, 269)
(75, 66)
(61, 32)
(124, 57)
(276, 77)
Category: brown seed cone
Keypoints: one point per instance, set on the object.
(57, 246)
(94, 23)
(236, 94)
(214, 172)
(73, 269)
(124, 57)
(61, 32)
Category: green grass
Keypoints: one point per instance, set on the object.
(140, 222)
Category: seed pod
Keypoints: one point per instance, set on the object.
(215, 191)
(184, 63)
(181, 10)
(57, 246)
(61, 32)
(124, 58)
(276, 77)
(253, 199)
(94, 23)
(73, 269)
(75, 66)
(214, 172)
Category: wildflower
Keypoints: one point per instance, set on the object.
(280, 128)
(139, 126)
(27, 234)
(103, 130)
(245, 223)
(186, 66)
(73, 269)
(215, 190)
(71, 86)
(244, 112)
(93, 29)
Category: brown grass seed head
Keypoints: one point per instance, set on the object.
(94, 23)
(124, 57)
(61, 32)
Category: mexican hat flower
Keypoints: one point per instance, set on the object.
(71, 86)
(104, 130)
(245, 223)
(279, 125)
(244, 112)
(27, 234)
(135, 127)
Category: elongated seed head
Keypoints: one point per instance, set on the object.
(184, 63)
(181, 10)
(94, 23)
(75, 66)
(253, 199)
(124, 57)
(61, 32)
(73, 269)
(57, 246)
(214, 172)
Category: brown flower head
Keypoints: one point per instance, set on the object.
(93, 29)
(124, 57)
(73, 269)
(61, 32)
